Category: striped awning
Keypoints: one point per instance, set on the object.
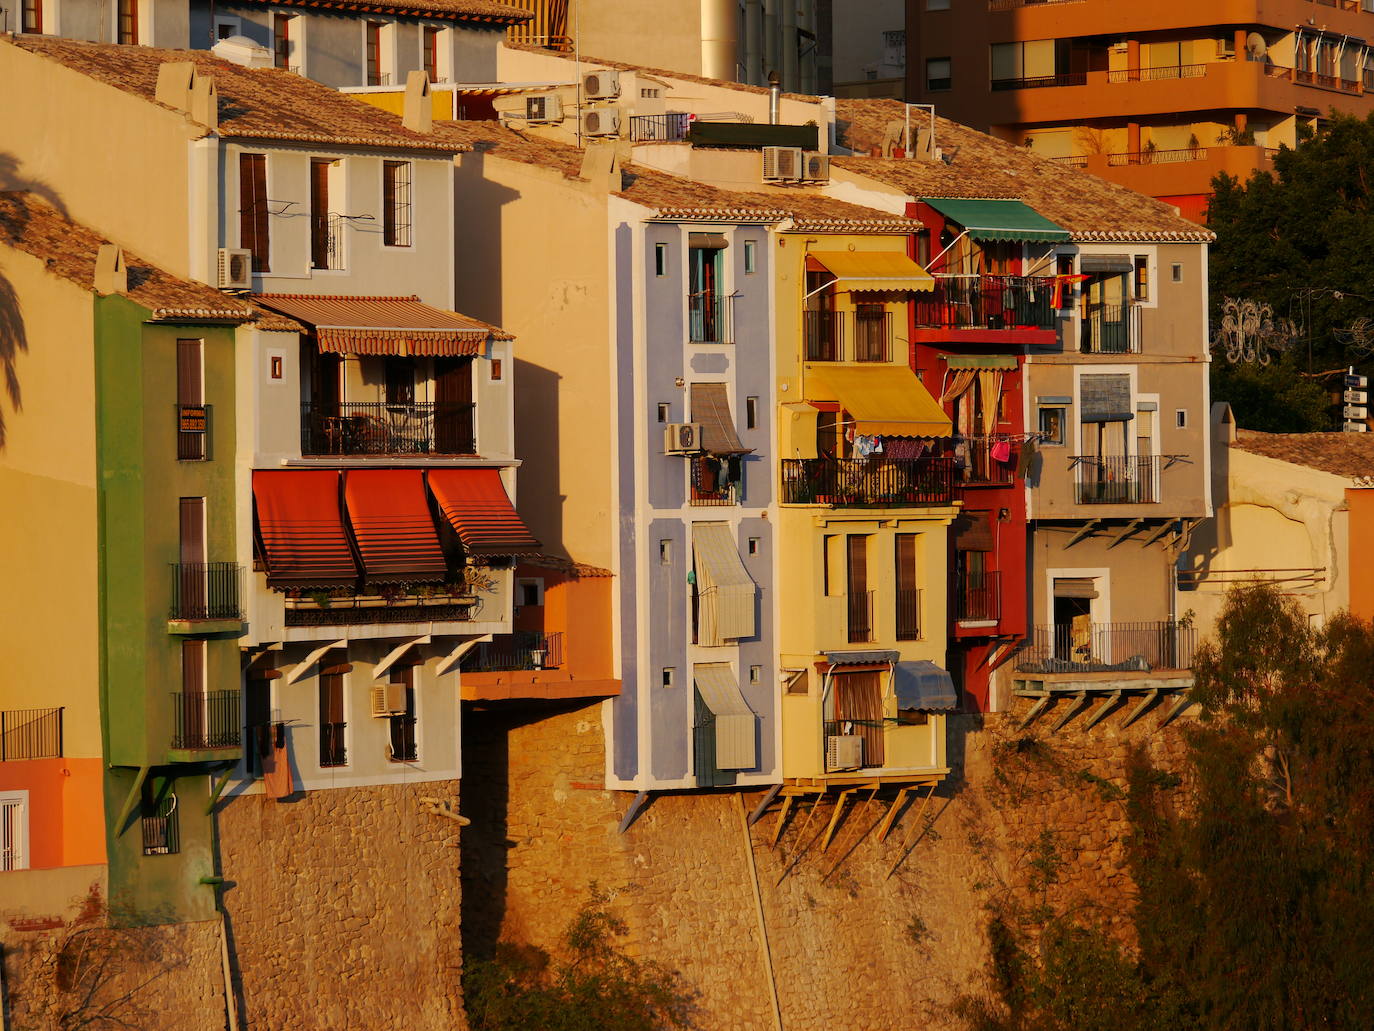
(301, 529)
(395, 532)
(397, 326)
(711, 408)
(475, 503)
(860, 271)
(735, 721)
(725, 590)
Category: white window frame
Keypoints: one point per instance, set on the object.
(16, 803)
(538, 584)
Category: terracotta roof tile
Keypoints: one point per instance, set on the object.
(495, 14)
(69, 250)
(254, 103)
(1341, 454)
(1091, 209)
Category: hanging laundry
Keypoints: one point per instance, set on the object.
(1023, 461)
(1001, 451)
(961, 454)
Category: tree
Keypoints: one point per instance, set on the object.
(1302, 240)
(1254, 863)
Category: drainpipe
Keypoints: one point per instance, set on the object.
(774, 97)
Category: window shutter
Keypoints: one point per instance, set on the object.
(189, 378)
(389, 203)
(192, 530)
(253, 226)
(1106, 398)
(906, 561)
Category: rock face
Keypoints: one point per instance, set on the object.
(344, 909)
(843, 938)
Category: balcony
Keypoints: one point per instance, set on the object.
(379, 428)
(30, 734)
(908, 614)
(977, 596)
(1172, 71)
(193, 432)
(979, 465)
(1157, 157)
(715, 480)
(826, 335)
(206, 591)
(345, 607)
(1108, 648)
(709, 318)
(522, 650)
(1116, 479)
(846, 482)
(1041, 81)
(207, 721)
(1110, 329)
(859, 616)
(326, 241)
(988, 302)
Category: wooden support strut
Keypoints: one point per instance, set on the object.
(1035, 711)
(633, 811)
(1131, 528)
(892, 812)
(1182, 702)
(1107, 705)
(857, 834)
(782, 819)
(835, 817)
(762, 807)
(1145, 703)
(131, 799)
(218, 790)
(1079, 704)
(906, 848)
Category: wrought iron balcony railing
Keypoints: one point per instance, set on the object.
(827, 335)
(206, 590)
(908, 614)
(708, 318)
(988, 302)
(379, 428)
(1108, 648)
(521, 650)
(206, 720)
(860, 616)
(868, 481)
(1110, 329)
(30, 734)
(977, 596)
(1116, 479)
(669, 128)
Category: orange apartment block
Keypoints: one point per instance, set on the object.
(1159, 97)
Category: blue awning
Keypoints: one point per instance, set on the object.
(924, 686)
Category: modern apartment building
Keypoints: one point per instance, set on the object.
(1158, 97)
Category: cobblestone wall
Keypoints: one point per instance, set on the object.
(856, 933)
(343, 909)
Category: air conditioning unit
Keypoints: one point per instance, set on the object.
(782, 164)
(604, 121)
(1226, 48)
(682, 438)
(815, 167)
(844, 752)
(235, 268)
(546, 108)
(389, 700)
(602, 85)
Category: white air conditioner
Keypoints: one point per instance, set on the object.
(682, 438)
(782, 164)
(235, 268)
(389, 700)
(545, 108)
(816, 167)
(602, 121)
(844, 752)
(602, 85)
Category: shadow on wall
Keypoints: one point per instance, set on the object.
(538, 444)
(13, 336)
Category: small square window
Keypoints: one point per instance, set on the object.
(750, 257)
(755, 674)
(1176, 270)
(938, 74)
(668, 676)
(751, 413)
(1052, 426)
(276, 367)
(665, 552)
(753, 545)
(663, 410)
(660, 259)
(495, 369)
(1181, 418)
(530, 592)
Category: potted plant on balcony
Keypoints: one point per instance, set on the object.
(395, 594)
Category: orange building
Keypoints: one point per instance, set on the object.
(1158, 97)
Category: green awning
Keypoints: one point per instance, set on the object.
(981, 361)
(988, 220)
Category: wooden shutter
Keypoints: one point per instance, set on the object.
(331, 698)
(193, 666)
(253, 214)
(319, 212)
(858, 563)
(906, 561)
(189, 375)
(389, 171)
(192, 530)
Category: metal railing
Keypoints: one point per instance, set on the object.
(708, 318)
(1116, 479)
(1167, 71)
(379, 428)
(909, 614)
(1042, 81)
(206, 720)
(988, 302)
(1110, 329)
(30, 734)
(1073, 160)
(668, 128)
(859, 608)
(824, 332)
(326, 241)
(338, 614)
(161, 829)
(872, 335)
(1108, 647)
(868, 481)
(712, 483)
(193, 432)
(1157, 157)
(333, 744)
(980, 465)
(1011, 5)
(521, 650)
(977, 596)
(206, 590)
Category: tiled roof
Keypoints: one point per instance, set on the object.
(69, 250)
(447, 10)
(677, 199)
(1341, 454)
(566, 566)
(254, 103)
(1091, 209)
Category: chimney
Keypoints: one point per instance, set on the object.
(418, 113)
(774, 97)
(111, 276)
(204, 106)
(174, 81)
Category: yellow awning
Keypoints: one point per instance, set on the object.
(882, 400)
(797, 430)
(875, 270)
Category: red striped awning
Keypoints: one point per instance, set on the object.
(301, 528)
(383, 325)
(476, 504)
(391, 522)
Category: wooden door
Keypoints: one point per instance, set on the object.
(453, 410)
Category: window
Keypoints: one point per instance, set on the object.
(1181, 418)
(1176, 271)
(396, 178)
(1140, 278)
(908, 595)
(755, 674)
(403, 745)
(938, 74)
(751, 413)
(663, 409)
(707, 307)
(429, 43)
(275, 367)
(31, 19)
(856, 583)
(400, 381)
(191, 601)
(668, 676)
(191, 413)
(283, 41)
(333, 742)
(372, 34)
(716, 479)
(126, 24)
(226, 27)
(754, 545)
(750, 257)
(322, 249)
(665, 552)
(1052, 423)
(530, 592)
(161, 823)
(649, 93)
(253, 211)
(496, 370)
(14, 830)
(832, 572)
(660, 259)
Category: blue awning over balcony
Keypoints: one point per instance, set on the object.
(923, 686)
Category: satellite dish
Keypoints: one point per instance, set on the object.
(1255, 46)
